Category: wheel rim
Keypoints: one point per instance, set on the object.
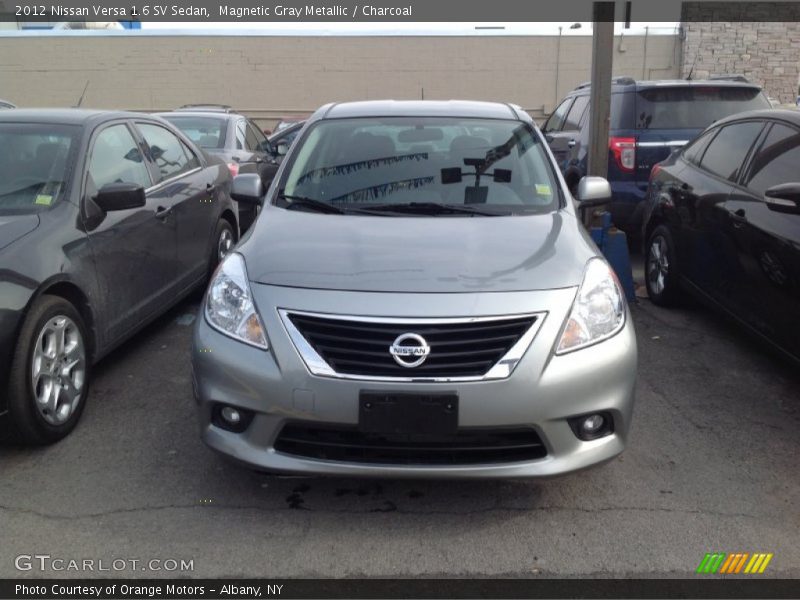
(58, 370)
(225, 243)
(657, 264)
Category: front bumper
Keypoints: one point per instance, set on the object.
(543, 391)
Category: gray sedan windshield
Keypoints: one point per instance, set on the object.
(419, 164)
(34, 163)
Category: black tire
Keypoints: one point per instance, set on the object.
(661, 275)
(222, 229)
(26, 422)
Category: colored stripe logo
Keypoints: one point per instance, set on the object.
(734, 564)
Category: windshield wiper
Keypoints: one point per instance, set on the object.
(433, 208)
(316, 205)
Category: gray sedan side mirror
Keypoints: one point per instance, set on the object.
(593, 191)
(120, 196)
(248, 188)
(282, 149)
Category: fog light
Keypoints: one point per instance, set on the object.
(231, 415)
(230, 418)
(590, 425)
(593, 426)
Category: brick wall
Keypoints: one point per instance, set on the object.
(719, 42)
(270, 76)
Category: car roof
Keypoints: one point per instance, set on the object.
(792, 116)
(619, 83)
(65, 116)
(188, 114)
(419, 108)
(210, 107)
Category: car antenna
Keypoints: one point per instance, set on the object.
(694, 62)
(80, 100)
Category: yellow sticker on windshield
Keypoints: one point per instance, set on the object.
(543, 189)
(44, 200)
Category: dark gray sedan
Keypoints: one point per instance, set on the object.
(106, 220)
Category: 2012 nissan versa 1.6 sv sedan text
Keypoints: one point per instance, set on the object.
(417, 298)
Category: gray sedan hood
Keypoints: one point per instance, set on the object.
(14, 227)
(416, 254)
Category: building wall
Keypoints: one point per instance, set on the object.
(272, 76)
(767, 53)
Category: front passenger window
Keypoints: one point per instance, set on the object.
(166, 151)
(116, 159)
(777, 161)
(727, 151)
(556, 120)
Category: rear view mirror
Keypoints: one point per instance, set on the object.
(593, 191)
(248, 188)
(120, 196)
(784, 198)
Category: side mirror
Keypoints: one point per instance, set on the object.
(784, 198)
(248, 188)
(593, 191)
(282, 149)
(120, 196)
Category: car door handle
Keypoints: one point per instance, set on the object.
(739, 218)
(210, 187)
(162, 212)
(571, 143)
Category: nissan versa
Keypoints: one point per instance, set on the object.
(416, 298)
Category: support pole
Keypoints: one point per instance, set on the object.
(602, 57)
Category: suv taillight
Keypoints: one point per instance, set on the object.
(233, 167)
(624, 151)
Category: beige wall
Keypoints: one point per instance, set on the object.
(270, 76)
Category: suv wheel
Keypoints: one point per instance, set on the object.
(49, 377)
(660, 268)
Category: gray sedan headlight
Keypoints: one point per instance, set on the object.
(229, 304)
(598, 311)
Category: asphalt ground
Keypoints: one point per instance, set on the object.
(712, 465)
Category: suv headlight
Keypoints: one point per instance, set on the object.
(598, 311)
(229, 304)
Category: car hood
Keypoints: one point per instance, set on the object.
(416, 254)
(14, 227)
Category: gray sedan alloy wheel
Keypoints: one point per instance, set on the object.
(58, 369)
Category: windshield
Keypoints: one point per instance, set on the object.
(206, 132)
(486, 166)
(694, 107)
(34, 163)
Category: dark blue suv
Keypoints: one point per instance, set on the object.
(649, 119)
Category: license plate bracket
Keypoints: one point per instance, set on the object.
(408, 413)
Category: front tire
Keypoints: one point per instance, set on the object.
(224, 240)
(661, 268)
(50, 373)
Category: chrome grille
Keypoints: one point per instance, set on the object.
(459, 348)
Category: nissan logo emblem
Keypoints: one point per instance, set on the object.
(409, 350)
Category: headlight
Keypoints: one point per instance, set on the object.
(229, 304)
(598, 311)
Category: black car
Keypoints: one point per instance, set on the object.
(234, 138)
(649, 119)
(722, 220)
(106, 220)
